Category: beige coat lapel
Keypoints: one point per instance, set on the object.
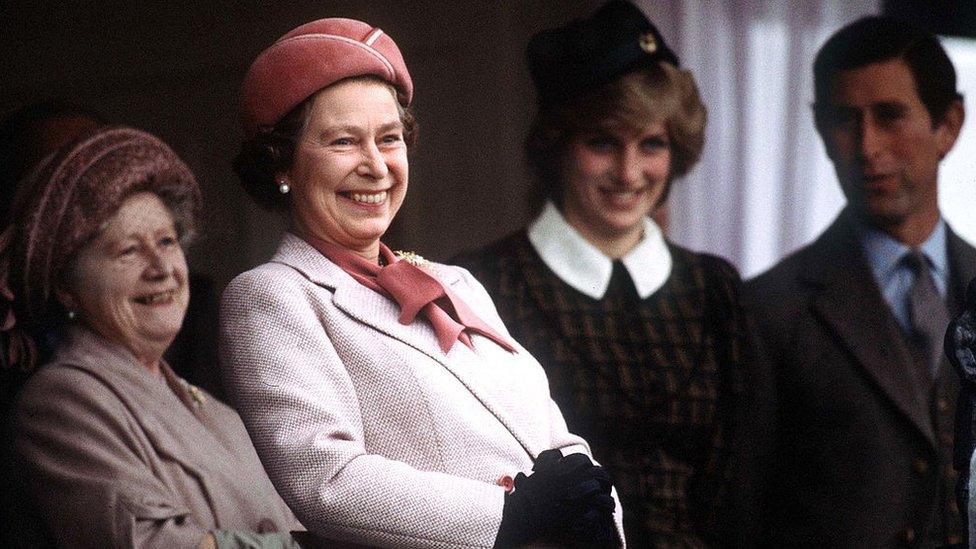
(382, 314)
(174, 431)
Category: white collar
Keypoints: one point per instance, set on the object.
(581, 265)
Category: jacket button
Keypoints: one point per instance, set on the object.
(943, 404)
(908, 536)
(920, 466)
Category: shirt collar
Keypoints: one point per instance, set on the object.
(584, 267)
(884, 252)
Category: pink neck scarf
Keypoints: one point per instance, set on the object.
(415, 291)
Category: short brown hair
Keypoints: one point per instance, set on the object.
(631, 101)
(272, 152)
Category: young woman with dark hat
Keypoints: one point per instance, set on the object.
(642, 340)
(385, 397)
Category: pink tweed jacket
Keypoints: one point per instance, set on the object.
(369, 432)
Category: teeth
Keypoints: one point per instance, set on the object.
(157, 298)
(375, 198)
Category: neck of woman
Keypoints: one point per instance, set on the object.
(615, 245)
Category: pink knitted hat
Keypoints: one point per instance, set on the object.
(66, 200)
(314, 56)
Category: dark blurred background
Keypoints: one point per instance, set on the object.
(173, 68)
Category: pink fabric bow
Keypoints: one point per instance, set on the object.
(415, 291)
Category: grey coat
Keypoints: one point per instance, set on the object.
(861, 449)
(115, 457)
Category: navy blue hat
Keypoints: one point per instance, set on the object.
(569, 61)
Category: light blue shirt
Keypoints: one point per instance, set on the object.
(894, 276)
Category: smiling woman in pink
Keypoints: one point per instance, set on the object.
(116, 450)
(386, 399)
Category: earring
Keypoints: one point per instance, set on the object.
(71, 314)
(283, 187)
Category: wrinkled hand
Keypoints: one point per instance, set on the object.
(566, 500)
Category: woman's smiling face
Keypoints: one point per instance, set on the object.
(350, 171)
(129, 284)
(612, 179)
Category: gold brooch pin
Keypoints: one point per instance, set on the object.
(411, 258)
(195, 393)
(647, 42)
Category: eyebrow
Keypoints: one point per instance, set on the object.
(352, 128)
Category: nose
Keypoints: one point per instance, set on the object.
(373, 164)
(869, 139)
(628, 166)
(159, 267)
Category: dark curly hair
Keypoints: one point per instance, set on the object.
(272, 152)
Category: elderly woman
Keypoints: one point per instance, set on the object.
(384, 395)
(642, 340)
(117, 450)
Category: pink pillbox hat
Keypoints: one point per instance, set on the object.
(314, 56)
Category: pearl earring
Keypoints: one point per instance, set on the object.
(71, 314)
(283, 187)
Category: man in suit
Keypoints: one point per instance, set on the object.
(852, 324)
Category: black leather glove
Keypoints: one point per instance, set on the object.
(566, 501)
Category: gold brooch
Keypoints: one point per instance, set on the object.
(647, 42)
(195, 393)
(411, 258)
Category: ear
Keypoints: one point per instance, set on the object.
(822, 125)
(947, 131)
(66, 299)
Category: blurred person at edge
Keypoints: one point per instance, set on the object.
(643, 341)
(27, 134)
(116, 450)
(384, 395)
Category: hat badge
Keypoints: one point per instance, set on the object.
(647, 42)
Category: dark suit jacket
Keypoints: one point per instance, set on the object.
(861, 450)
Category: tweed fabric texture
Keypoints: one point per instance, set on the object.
(369, 431)
(649, 383)
(113, 456)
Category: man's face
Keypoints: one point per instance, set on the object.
(884, 146)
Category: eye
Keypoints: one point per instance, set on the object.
(342, 141)
(889, 113)
(168, 241)
(601, 143)
(841, 117)
(128, 251)
(391, 138)
(654, 144)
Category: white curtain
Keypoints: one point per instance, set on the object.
(957, 176)
(764, 186)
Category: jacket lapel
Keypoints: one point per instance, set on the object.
(850, 304)
(175, 431)
(356, 300)
(381, 314)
